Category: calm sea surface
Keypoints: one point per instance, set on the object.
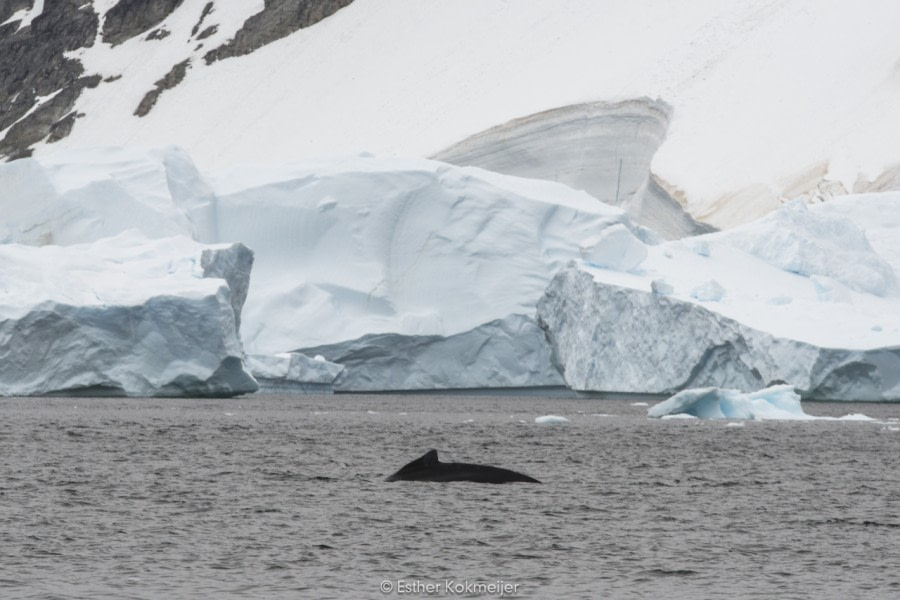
(277, 497)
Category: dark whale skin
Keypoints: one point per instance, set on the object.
(429, 468)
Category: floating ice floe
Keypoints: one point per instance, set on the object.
(779, 402)
(293, 373)
(551, 420)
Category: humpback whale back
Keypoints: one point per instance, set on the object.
(428, 468)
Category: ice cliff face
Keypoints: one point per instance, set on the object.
(125, 316)
(602, 148)
(505, 353)
(609, 338)
(369, 245)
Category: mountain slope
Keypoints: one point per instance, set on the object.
(771, 98)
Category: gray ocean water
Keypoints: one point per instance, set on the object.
(276, 497)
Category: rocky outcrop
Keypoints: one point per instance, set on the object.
(171, 79)
(602, 148)
(38, 83)
(278, 19)
(616, 339)
(129, 18)
(505, 353)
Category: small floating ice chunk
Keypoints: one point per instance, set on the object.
(735, 424)
(778, 402)
(679, 416)
(551, 420)
(639, 404)
(855, 417)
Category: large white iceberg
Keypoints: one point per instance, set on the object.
(800, 297)
(344, 248)
(124, 315)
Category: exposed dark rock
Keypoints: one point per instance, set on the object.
(278, 19)
(172, 78)
(129, 18)
(158, 34)
(211, 30)
(206, 10)
(10, 7)
(33, 66)
(63, 127)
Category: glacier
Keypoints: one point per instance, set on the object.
(798, 297)
(124, 315)
(416, 274)
(409, 252)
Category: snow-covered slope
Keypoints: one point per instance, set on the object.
(770, 98)
(124, 315)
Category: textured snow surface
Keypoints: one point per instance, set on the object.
(123, 315)
(770, 98)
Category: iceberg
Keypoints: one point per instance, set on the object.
(700, 312)
(345, 248)
(776, 402)
(293, 373)
(779, 402)
(124, 315)
(551, 420)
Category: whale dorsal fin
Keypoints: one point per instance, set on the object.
(430, 458)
